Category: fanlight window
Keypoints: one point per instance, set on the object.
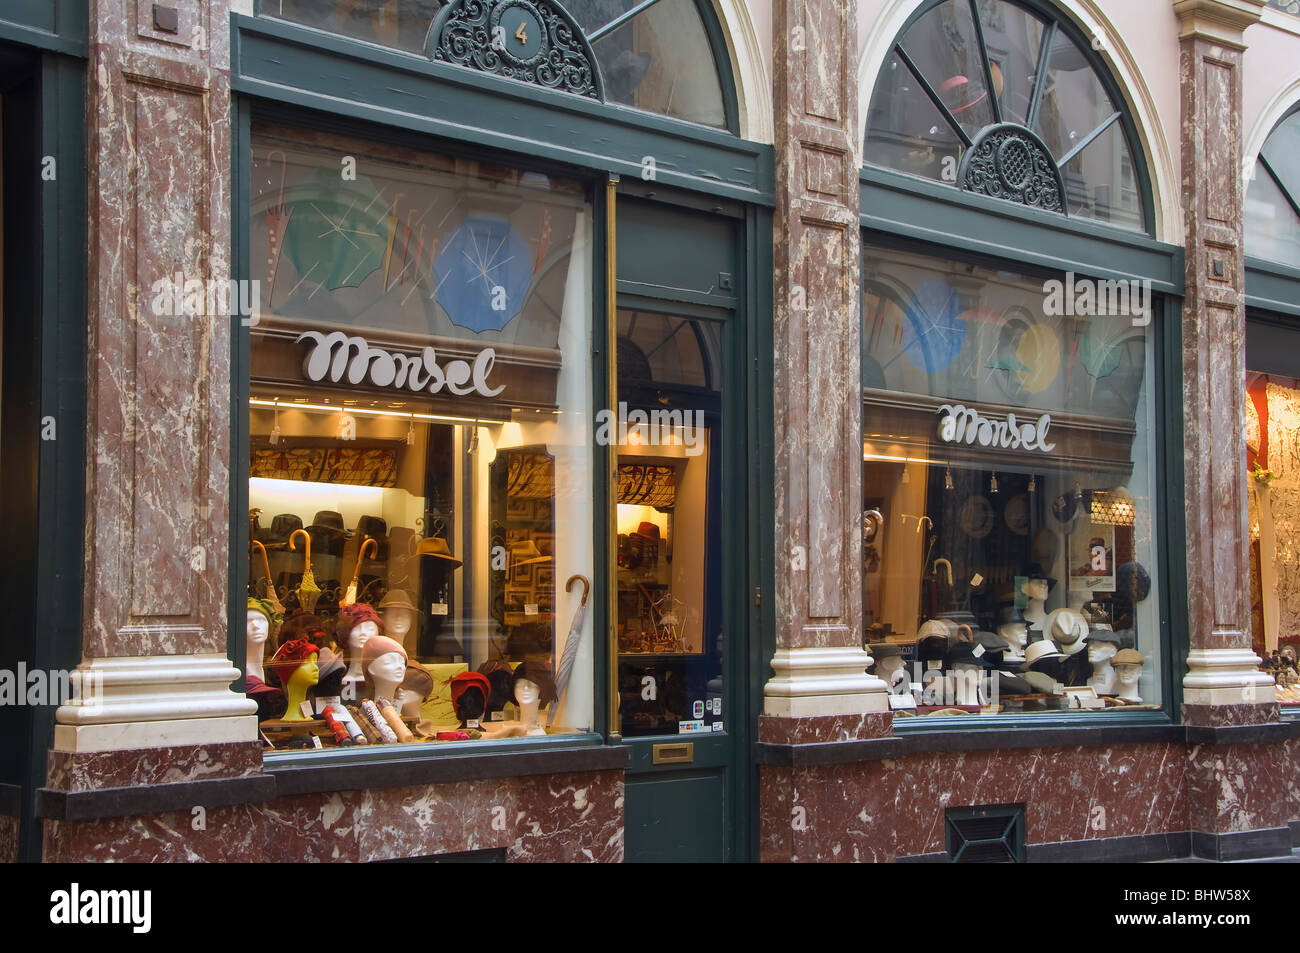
(654, 55)
(997, 99)
(1272, 215)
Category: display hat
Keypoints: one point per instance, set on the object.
(964, 652)
(992, 642)
(329, 663)
(1104, 633)
(1128, 657)
(282, 526)
(350, 617)
(290, 655)
(539, 673)
(301, 624)
(396, 599)
(378, 646)
(1043, 648)
(932, 648)
(264, 606)
(1132, 580)
(1010, 615)
(437, 547)
(418, 680)
(879, 650)
(1062, 623)
(467, 680)
(327, 519)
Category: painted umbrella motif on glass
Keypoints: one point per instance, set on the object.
(482, 273)
(338, 233)
(935, 331)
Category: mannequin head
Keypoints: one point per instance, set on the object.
(1128, 670)
(356, 625)
(261, 622)
(533, 689)
(399, 614)
(499, 676)
(417, 685)
(384, 664)
(295, 664)
(1101, 652)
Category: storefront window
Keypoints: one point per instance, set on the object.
(1271, 219)
(1043, 82)
(1009, 535)
(420, 407)
(1273, 479)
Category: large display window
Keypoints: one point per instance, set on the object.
(1009, 535)
(421, 462)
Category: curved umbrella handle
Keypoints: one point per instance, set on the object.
(586, 586)
(266, 563)
(306, 545)
(361, 556)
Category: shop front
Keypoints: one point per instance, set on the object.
(485, 380)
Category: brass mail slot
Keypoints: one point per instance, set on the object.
(683, 753)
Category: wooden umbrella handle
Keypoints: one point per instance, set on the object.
(586, 586)
(361, 556)
(266, 563)
(306, 544)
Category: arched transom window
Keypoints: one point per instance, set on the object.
(1007, 100)
(1272, 214)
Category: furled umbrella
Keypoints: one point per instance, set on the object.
(565, 668)
(308, 591)
(270, 580)
(350, 597)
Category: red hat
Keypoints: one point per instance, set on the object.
(350, 617)
(301, 624)
(466, 680)
(290, 655)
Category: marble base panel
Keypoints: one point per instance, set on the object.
(564, 817)
(773, 729)
(1227, 716)
(1234, 788)
(88, 771)
(826, 814)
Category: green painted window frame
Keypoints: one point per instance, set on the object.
(60, 26)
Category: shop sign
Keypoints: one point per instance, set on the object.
(337, 355)
(962, 424)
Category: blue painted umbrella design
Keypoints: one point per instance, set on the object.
(483, 273)
(934, 332)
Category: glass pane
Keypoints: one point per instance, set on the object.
(401, 24)
(1273, 491)
(1074, 101)
(1013, 37)
(943, 45)
(1100, 183)
(594, 14)
(1008, 566)
(661, 61)
(420, 378)
(1271, 225)
(1282, 150)
(669, 612)
(904, 129)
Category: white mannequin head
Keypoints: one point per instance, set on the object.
(1016, 635)
(1128, 670)
(360, 635)
(387, 673)
(888, 667)
(397, 622)
(527, 695)
(1101, 652)
(257, 632)
(966, 678)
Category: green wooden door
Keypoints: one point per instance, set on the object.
(679, 612)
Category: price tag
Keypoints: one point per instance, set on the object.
(933, 663)
(315, 741)
(977, 651)
(530, 608)
(438, 608)
(305, 708)
(976, 581)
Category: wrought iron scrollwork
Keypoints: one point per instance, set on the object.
(1009, 162)
(533, 41)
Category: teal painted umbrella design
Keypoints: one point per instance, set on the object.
(338, 230)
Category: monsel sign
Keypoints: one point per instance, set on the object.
(962, 424)
(338, 355)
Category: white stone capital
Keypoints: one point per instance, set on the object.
(1226, 677)
(153, 701)
(1220, 21)
(823, 681)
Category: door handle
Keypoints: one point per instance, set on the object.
(677, 753)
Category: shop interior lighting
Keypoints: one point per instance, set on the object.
(375, 412)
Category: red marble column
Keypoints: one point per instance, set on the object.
(154, 670)
(820, 664)
(1222, 685)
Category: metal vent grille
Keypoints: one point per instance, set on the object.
(990, 834)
